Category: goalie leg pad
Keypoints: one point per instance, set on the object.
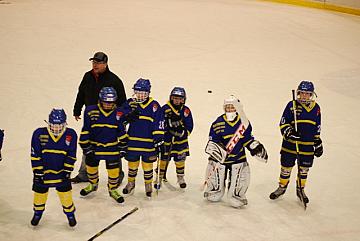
(239, 183)
(215, 187)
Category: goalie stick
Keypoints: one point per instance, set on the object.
(113, 224)
(297, 153)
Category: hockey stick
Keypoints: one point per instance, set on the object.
(113, 224)
(297, 151)
(168, 159)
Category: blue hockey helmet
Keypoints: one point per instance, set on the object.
(108, 94)
(141, 90)
(306, 85)
(178, 91)
(57, 116)
(57, 121)
(305, 92)
(142, 85)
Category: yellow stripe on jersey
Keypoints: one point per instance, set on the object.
(104, 145)
(305, 143)
(35, 158)
(106, 153)
(306, 121)
(74, 158)
(85, 132)
(68, 165)
(53, 151)
(142, 117)
(141, 149)
(132, 138)
(122, 137)
(52, 181)
(294, 152)
(104, 125)
(158, 132)
(228, 136)
(180, 142)
(84, 142)
(38, 168)
(283, 126)
(53, 171)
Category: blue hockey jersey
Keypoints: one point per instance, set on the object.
(103, 131)
(53, 156)
(179, 145)
(309, 127)
(147, 129)
(222, 130)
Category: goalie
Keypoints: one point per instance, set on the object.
(229, 135)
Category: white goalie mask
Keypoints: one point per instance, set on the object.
(232, 106)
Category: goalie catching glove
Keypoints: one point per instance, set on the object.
(258, 150)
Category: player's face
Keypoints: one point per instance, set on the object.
(229, 108)
(305, 96)
(177, 100)
(107, 105)
(141, 96)
(98, 67)
(57, 129)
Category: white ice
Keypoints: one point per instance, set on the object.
(256, 50)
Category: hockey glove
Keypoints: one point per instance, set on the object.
(258, 149)
(132, 116)
(122, 147)
(38, 177)
(174, 120)
(318, 147)
(291, 134)
(178, 131)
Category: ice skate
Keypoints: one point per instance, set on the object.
(277, 193)
(181, 181)
(71, 219)
(129, 188)
(116, 195)
(89, 189)
(298, 193)
(36, 218)
(148, 189)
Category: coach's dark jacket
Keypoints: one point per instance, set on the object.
(90, 87)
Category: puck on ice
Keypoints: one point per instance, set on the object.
(209, 91)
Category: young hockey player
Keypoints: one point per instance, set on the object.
(231, 133)
(301, 140)
(53, 154)
(103, 137)
(179, 124)
(146, 133)
(1, 141)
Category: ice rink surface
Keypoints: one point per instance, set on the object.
(256, 50)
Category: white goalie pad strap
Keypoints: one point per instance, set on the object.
(216, 151)
(215, 176)
(240, 181)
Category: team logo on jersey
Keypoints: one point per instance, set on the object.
(118, 115)
(68, 139)
(186, 112)
(155, 107)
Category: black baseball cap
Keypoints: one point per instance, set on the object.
(100, 57)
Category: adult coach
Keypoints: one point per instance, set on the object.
(88, 94)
